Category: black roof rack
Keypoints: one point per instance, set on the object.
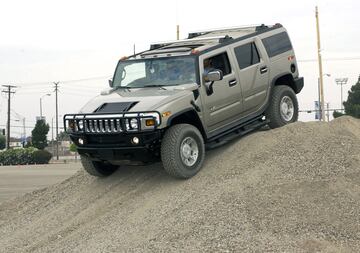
(186, 42)
(193, 42)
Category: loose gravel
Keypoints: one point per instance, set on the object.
(292, 189)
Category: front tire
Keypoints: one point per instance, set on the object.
(97, 169)
(182, 151)
(283, 108)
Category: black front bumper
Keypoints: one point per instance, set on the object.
(117, 147)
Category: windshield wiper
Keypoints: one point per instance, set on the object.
(155, 85)
(121, 87)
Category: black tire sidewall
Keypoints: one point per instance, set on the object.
(98, 169)
(190, 133)
(273, 113)
(289, 93)
(170, 151)
(104, 169)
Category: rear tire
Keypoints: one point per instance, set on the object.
(97, 169)
(283, 108)
(182, 151)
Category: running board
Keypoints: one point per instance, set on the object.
(241, 130)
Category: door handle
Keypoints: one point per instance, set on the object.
(232, 82)
(263, 70)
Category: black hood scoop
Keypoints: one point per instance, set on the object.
(115, 107)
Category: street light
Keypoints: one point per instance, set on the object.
(341, 81)
(41, 104)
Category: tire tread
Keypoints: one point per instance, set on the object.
(169, 150)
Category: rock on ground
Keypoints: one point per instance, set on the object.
(292, 189)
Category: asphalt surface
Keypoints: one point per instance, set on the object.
(18, 180)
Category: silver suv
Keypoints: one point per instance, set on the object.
(180, 97)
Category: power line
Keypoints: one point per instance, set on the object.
(29, 127)
(332, 59)
(64, 81)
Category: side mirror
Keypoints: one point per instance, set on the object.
(111, 83)
(210, 78)
(214, 75)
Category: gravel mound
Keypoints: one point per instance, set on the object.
(296, 188)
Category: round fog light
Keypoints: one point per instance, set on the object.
(81, 141)
(135, 140)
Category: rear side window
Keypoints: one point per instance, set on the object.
(277, 44)
(247, 55)
(220, 61)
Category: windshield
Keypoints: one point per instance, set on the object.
(155, 72)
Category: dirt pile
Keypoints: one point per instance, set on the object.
(291, 189)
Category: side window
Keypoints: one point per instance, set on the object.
(277, 44)
(220, 61)
(247, 55)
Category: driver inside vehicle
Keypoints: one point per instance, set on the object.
(208, 67)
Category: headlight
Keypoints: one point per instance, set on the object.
(81, 125)
(133, 123)
(71, 125)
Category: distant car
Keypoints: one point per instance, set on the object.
(172, 101)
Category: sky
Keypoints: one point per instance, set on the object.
(79, 43)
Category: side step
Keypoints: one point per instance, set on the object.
(241, 130)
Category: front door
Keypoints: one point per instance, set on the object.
(224, 104)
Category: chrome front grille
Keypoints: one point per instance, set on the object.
(103, 126)
(110, 123)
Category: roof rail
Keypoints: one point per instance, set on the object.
(257, 27)
(175, 42)
(224, 29)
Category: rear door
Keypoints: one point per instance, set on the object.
(253, 73)
(224, 105)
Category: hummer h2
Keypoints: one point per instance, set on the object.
(171, 102)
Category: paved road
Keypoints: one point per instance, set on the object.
(18, 180)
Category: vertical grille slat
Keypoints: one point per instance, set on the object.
(107, 127)
(91, 124)
(97, 126)
(118, 125)
(112, 126)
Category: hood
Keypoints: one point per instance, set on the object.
(144, 99)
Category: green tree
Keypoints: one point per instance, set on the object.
(39, 134)
(73, 147)
(352, 105)
(2, 141)
(337, 114)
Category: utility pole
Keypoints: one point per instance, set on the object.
(56, 119)
(177, 32)
(341, 82)
(177, 20)
(9, 91)
(328, 111)
(24, 133)
(320, 65)
(52, 135)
